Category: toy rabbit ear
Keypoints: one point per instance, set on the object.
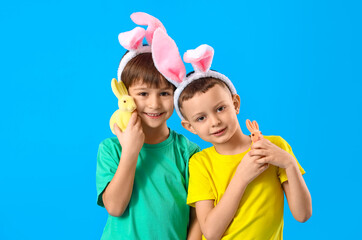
(200, 58)
(153, 23)
(118, 88)
(249, 125)
(131, 40)
(256, 126)
(167, 58)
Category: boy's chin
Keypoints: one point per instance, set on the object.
(152, 123)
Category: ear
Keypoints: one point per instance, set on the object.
(236, 102)
(151, 22)
(167, 58)
(256, 126)
(249, 125)
(200, 58)
(187, 125)
(118, 88)
(132, 40)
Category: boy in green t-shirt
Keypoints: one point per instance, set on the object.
(142, 174)
(237, 187)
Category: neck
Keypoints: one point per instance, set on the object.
(238, 143)
(156, 135)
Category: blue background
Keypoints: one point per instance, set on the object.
(295, 64)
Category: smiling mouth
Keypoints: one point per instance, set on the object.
(218, 133)
(153, 115)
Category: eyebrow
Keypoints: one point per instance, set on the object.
(196, 115)
(137, 89)
(146, 88)
(219, 103)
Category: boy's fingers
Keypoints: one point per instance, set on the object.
(138, 121)
(256, 145)
(258, 152)
(262, 143)
(262, 160)
(133, 119)
(117, 130)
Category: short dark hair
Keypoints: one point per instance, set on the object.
(201, 85)
(142, 69)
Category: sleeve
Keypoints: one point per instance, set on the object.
(107, 164)
(192, 149)
(281, 171)
(200, 185)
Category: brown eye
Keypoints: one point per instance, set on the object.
(124, 101)
(252, 134)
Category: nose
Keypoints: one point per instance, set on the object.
(154, 101)
(215, 121)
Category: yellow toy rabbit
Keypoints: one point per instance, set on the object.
(126, 106)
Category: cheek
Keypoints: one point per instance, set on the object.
(200, 129)
(137, 101)
(169, 104)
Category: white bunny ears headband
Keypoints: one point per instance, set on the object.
(168, 62)
(133, 40)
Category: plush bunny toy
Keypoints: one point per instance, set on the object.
(133, 42)
(126, 106)
(253, 127)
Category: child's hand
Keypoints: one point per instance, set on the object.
(132, 138)
(251, 168)
(271, 154)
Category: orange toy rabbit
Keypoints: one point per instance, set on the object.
(253, 127)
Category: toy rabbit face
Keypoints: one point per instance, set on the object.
(126, 103)
(256, 136)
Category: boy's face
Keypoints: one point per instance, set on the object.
(154, 105)
(212, 115)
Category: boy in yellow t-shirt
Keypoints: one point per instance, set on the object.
(237, 187)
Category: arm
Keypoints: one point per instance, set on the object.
(295, 189)
(215, 220)
(297, 193)
(118, 192)
(194, 231)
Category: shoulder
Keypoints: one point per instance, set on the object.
(279, 141)
(182, 142)
(109, 143)
(202, 156)
(109, 147)
(202, 163)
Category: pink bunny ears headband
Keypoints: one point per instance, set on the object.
(133, 40)
(166, 56)
(168, 62)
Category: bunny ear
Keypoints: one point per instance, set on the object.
(249, 125)
(118, 88)
(167, 58)
(256, 126)
(200, 58)
(153, 23)
(131, 40)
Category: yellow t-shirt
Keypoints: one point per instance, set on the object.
(260, 213)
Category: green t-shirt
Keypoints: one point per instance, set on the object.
(157, 208)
